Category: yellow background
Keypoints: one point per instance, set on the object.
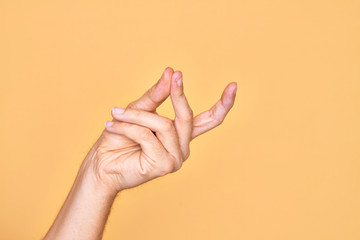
(285, 164)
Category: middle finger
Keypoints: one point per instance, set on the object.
(183, 113)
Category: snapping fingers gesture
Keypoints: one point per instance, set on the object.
(139, 145)
(135, 147)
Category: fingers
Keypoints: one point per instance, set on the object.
(215, 116)
(164, 128)
(156, 155)
(183, 113)
(156, 95)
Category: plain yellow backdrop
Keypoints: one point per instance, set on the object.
(285, 164)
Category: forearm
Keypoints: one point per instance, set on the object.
(85, 210)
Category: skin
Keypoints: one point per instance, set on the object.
(136, 146)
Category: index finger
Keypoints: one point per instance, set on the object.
(156, 95)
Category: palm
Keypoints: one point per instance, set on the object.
(122, 160)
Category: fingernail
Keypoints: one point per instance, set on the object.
(179, 82)
(235, 89)
(117, 110)
(177, 77)
(108, 123)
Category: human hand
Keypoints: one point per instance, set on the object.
(140, 145)
(137, 146)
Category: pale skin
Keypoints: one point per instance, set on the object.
(137, 146)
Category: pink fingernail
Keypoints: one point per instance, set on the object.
(108, 123)
(117, 110)
(179, 82)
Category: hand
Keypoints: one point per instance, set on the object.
(139, 145)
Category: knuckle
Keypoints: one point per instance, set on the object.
(167, 167)
(178, 165)
(215, 118)
(177, 162)
(143, 133)
(188, 117)
(212, 115)
(219, 120)
(133, 113)
(167, 125)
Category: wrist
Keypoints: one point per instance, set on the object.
(87, 206)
